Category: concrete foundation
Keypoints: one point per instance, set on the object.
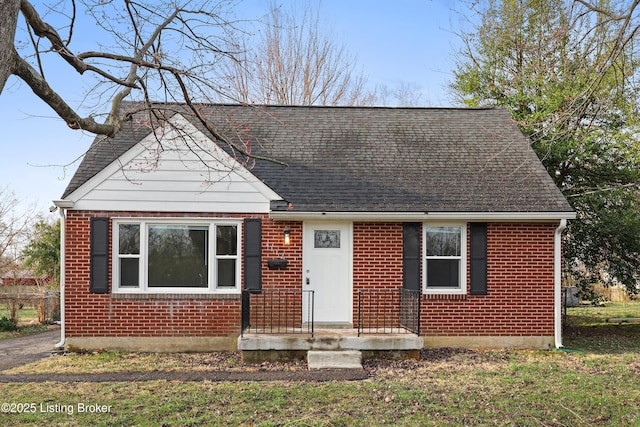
(394, 346)
(529, 343)
(153, 344)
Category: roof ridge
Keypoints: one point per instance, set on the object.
(300, 106)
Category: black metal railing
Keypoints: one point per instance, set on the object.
(388, 311)
(277, 311)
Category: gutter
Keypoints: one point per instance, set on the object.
(287, 215)
(62, 205)
(557, 276)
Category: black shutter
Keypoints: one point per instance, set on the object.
(478, 258)
(253, 254)
(411, 255)
(99, 253)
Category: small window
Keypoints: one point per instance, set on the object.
(444, 266)
(326, 239)
(175, 256)
(226, 255)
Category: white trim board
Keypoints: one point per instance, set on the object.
(424, 216)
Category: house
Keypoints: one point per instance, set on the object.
(173, 241)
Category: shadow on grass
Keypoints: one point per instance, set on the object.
(595, 336)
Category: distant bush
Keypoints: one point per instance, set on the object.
(7, 325)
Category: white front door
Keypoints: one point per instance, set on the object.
(326, 270)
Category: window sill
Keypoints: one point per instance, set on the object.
(455, 297)
(169, 297)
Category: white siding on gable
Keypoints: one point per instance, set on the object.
(183, 171)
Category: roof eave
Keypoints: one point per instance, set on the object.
(423, 216)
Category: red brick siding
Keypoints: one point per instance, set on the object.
(377, 264)
(520, 285)
(520, 281)
(377, 256)
(283, 309)
(520, 289)
(273, 248)
(88, 314)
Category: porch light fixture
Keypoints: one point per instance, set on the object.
(287, 237)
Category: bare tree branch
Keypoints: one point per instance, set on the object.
(150, 24)
(41, 88)
(42, 29)
(160, 53)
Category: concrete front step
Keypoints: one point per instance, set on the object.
(328, 359)
(330, 340)
(258, 348)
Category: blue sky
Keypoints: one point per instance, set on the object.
(394, 41)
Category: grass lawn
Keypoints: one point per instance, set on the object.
(27, 323)
(596, 385)
(600, 314)
(26, 315)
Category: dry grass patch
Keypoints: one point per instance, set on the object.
(446, 387)
(112, 362)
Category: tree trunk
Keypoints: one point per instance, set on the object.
(8, 21)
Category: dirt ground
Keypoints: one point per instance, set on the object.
(22, 350)
(196, 367)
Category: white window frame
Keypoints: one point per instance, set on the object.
(211, 254)
(461, 289)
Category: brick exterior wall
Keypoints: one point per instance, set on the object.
(273, 248)
(520, 289)
(377, 273)
(519, 301)
(123, 315)
(520, 281)
(280, 305)
(377, 256)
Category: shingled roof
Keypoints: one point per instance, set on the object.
(375, 159)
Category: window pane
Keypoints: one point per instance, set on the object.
(129, 239)
(443, 273)
(178, 256)
(443, 241)
(326, 239)
(226, 273)
(129, 272)
(226, 240)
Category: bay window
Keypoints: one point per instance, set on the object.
(156, 255)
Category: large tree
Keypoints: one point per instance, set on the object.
(152, 52)
(171, 51)
(567, 72)
(293, 60)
